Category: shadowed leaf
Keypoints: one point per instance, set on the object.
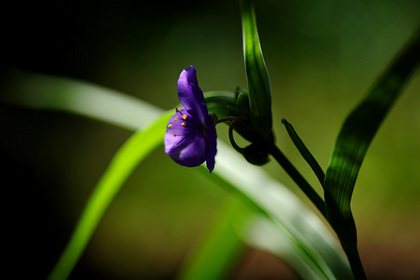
(353, 142)
(259, 84)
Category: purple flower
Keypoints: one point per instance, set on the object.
(190, 137)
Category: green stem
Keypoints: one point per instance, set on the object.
(297, 178)
(355, 262)
(282, 160)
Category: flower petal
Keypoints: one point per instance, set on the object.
(191, 95)
(211, 143)
(173, 136)
(184, 141)
(190, 151)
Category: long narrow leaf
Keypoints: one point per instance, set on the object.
(134, 150)
(40, 91)
(259, 84)
(304, 151)
(353, 142)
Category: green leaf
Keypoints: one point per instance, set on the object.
(353, 142)
(259, 84)
(133, 151)
(305, 242)
(222, 103)
(306, 154)
(39, 91)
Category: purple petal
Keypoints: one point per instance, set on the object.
(187, 151)
(191, 95)
(184, 139)
(211, 143)
(174, 135)
(193, 154)
(189, 142)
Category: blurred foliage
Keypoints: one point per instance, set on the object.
(322, 58)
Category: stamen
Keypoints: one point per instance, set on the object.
(169, 126)
(175, 135)
(176, 118)
(183, 124)
(184, 117)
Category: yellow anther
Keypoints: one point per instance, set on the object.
(184, 117)
(169, 126)
(183, 124)
(175, 135)
(176, 118)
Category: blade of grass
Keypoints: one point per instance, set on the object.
(133, 151)
(39, 91)
(353, 142)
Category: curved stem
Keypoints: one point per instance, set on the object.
(232, 119)
(232, 140)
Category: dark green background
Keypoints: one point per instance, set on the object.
(322, 56)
